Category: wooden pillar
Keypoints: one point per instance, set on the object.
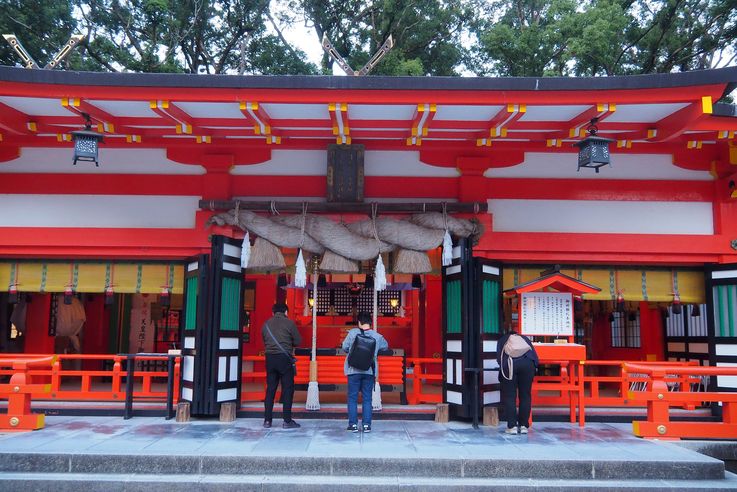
(415, 295)
(37, 336)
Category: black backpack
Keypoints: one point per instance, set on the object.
(361, 354)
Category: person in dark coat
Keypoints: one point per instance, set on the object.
(280, 336)
(515, 376)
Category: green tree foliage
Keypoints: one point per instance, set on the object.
(191, 36)
(194, 36)
(428, 34)
(432, 37)
(604, 37)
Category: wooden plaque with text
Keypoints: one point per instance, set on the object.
(345, 173)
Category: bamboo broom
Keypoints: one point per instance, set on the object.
(313, 390)
(376, 393)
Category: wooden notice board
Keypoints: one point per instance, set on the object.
(345, 173)
(546, 314)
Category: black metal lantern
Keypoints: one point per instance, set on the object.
(85, 143)
(593, 151)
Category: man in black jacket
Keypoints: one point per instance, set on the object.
(515, 376)
(280, 336)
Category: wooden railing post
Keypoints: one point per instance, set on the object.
(116, 377)
(55, 377)
(20, 390)
(658, 409)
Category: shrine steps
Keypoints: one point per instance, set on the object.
(57, 472)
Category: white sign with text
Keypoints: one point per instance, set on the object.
(546, 314)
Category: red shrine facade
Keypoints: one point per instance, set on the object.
(655, 231)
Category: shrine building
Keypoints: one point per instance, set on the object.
(616, 193)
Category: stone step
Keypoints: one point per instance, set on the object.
(73, 482)
(698, 468)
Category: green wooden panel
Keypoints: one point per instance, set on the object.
(190, 302)
(725, 307)
(453, 306)
(490, 306)
(230, 304)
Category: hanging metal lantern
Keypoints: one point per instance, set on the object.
(86, 143)
(593, 151)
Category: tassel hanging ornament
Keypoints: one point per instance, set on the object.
(300, 271)
(245, 251)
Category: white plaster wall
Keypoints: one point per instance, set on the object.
(602, 216)
(112, 161)
(314, 163)
(106, 211)
(624, 166)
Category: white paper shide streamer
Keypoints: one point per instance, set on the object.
(447, 249)
(245, 251)
(300, 271)
(380, 275)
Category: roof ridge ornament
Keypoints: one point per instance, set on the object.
(382, 51)
(28, 60)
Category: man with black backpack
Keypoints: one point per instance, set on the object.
(362, 344)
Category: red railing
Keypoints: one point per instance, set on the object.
(602, 390)
(329, 372)
(660, 396)
(419, 375)
(19, 391)
(104, 384)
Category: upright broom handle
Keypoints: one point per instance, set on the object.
(313, 358)
(376, 308)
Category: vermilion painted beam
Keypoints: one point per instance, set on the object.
(674, 245)
(594, 257)
(100, 184)
(260, 120)
(100, 242)
(542, 247)
(572, 128)
(423, 117)
(499, 124)
(715, 124)
(14, 121)
(676, 124)
(595, 189)
(375, 187)
(353, 96)
(464, 146)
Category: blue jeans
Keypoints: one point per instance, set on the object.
(365, 383)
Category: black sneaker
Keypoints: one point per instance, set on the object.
(267, 424)
(352, 427)
(366, 428)
(291, 425)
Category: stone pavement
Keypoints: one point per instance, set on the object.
(70, 447)
(389, 438)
